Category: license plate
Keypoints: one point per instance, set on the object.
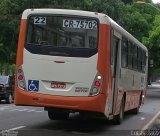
(60, 85)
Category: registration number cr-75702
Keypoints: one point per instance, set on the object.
(80, 24)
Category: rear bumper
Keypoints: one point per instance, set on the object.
(94, 103)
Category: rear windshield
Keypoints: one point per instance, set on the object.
(62, 36)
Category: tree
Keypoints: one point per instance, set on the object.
(136, 19)
(153, 42)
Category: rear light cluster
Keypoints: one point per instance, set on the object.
(97, 83)
(20, 78)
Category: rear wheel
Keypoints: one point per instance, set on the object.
(9, 99)
(119, 118)
(58, 115)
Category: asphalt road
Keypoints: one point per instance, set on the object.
(33, 121)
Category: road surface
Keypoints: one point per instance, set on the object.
(28, 121)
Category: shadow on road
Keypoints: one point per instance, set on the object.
(78, 125)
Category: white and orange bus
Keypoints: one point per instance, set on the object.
(78, 61)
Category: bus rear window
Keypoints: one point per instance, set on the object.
(62, 36)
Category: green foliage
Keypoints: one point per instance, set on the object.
(136, 24)
(113, 8)
(153, 42)
(7, 69)
(3, 54)
(139, 20)
(128, 1)
(156, 74)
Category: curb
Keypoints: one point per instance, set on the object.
(155, 120)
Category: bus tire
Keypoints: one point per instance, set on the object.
(119, 118)
(56, 115)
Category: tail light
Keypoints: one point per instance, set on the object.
(21, 79)
(96, 85)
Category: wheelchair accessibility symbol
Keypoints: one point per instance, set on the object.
(33, 85)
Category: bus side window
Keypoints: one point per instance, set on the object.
(135, 57)
(143, 61)
(130, 55)
(113, 49)
(139, 59)
(115, 54)
(124, 50)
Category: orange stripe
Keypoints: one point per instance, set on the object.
(103, 65)
(95, 103)
(21, 42)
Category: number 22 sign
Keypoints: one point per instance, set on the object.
(40, 20)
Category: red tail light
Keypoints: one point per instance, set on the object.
(97, 83)
(20, 77)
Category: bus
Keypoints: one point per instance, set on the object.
(72, 61)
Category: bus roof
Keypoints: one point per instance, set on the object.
(102, 17)
(59, 12)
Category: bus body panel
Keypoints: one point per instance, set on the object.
(77, 74)
(134, 86)
(82, 103)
